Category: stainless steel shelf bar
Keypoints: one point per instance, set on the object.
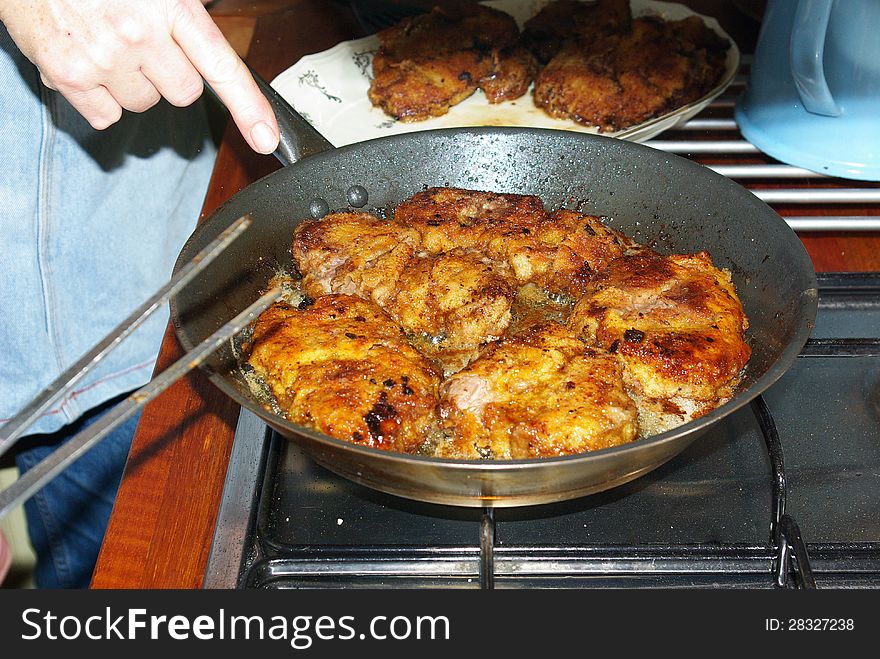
(764, 171)
(702, 147)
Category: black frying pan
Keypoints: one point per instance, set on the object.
(670, 202)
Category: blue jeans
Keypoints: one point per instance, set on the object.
(68, 517)
(91, 223)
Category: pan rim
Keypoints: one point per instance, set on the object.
(807, 301)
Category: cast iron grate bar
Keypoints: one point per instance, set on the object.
(487, 549)
(849, 283)
(796, 554)
(792, 560)
(841, 348)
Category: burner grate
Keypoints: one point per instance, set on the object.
(710, 518)
(736, 544)
(792, 562)
(791, 551)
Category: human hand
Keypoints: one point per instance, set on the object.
(106, 55)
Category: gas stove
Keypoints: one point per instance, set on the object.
(783, 493)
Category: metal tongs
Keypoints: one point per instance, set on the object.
(34, 479)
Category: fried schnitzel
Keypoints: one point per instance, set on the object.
(616, 79)
(428, 63)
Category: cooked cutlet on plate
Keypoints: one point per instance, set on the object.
(428, 63)
(677, 326)
(624, 77)
(564, 21)
(541, 393)
(343, 367)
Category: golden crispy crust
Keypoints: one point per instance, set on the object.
(558, 251)
(676, 324)
(450, 218)
(470, 283)
(428, 63)
(581, 245)
(449, 303)
(565, 21)
(343, 367)
(513, 70)
(623, 78)
(541, 393)
(452, 303)
(352, 253)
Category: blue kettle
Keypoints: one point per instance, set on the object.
(813, 94)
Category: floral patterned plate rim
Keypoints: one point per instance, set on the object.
(330, 89)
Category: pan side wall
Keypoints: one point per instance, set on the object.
(668, 202)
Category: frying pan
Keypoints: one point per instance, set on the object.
(668, 202)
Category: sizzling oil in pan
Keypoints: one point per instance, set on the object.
(532, 305)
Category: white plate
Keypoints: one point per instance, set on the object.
(330, 89)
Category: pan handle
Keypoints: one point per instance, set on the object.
(299, 138)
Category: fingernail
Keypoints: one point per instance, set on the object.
(264, 138)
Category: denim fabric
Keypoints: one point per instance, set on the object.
(90, 225)
(67, 518)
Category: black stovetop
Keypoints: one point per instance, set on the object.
(705, 519)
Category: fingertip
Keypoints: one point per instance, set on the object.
(264, 138)
(47, 83)
(106, 118)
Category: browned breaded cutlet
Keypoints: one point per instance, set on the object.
(343, 367)
(541, 393)
(677, 326)
(619, 73)
(430, 62)
(564, 21)
(477, 325)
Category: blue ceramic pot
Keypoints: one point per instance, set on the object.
(813, 95)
